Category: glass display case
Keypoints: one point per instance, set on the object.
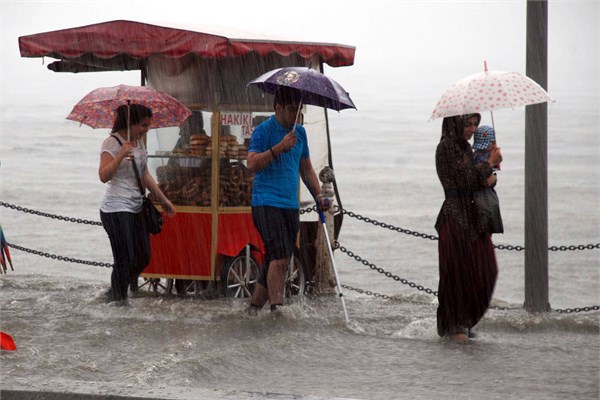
(202, 168)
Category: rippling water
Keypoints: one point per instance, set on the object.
(390, 349)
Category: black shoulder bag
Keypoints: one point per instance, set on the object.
(154, 220)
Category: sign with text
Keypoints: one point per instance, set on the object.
(236, 118)
(244, 120)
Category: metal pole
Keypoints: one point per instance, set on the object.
(337, 278)
(536, 163)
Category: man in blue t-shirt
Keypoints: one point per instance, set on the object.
(278, 154)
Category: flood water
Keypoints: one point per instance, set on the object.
(66, 336)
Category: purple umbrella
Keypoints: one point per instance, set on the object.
(315, 88)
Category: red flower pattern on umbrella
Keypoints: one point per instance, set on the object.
(97, 108)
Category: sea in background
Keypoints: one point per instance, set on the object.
(383, 156)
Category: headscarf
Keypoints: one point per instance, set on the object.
(452, 129)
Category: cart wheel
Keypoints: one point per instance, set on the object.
(237, 278)
(156, 285)
(295, 278)
(183, 286)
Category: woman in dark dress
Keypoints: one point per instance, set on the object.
(467, 261)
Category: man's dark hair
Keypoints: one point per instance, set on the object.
(285, 96)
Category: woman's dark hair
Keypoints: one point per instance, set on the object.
(285, 96)
(137, 113)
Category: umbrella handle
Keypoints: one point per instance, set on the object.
(298, 114)
(321, 213)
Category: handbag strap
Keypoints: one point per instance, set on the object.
(135, 169)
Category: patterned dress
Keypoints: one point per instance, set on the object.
(467, 261)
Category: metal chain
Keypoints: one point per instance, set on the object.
(370, 293)
(382, 271)
(432, 237)
(573, 247)
(336, 245)
(558, 310)
(427, 290)
(43, 214)
(577, 310)
(308, 209)
(387, 226)
(312, 209)
(60, 258)
(382, 296)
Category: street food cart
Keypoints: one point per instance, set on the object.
(201, 166)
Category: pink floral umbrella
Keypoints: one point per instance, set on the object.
(487, 91)
(97, 108)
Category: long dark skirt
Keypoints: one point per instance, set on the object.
(468, 272)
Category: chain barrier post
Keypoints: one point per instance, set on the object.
(536, 164)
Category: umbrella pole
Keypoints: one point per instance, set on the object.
(128, 119)
(485, 69)
(337, 279)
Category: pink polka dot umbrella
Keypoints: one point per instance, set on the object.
(487, 91)
(97, 108)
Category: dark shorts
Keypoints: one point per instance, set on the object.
(278, 228)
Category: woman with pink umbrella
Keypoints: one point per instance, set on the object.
(467, 261)
(120, 211)
(130, 111)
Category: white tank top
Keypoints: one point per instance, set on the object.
(122, 191)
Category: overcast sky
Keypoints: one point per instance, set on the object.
(400, 44)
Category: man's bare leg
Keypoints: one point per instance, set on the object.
(260, 296)
(276, 280)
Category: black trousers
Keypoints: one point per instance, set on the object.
(130, 244)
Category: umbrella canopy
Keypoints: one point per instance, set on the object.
(4, 253)
(97, 108)
(315, 88)
(487, 91)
